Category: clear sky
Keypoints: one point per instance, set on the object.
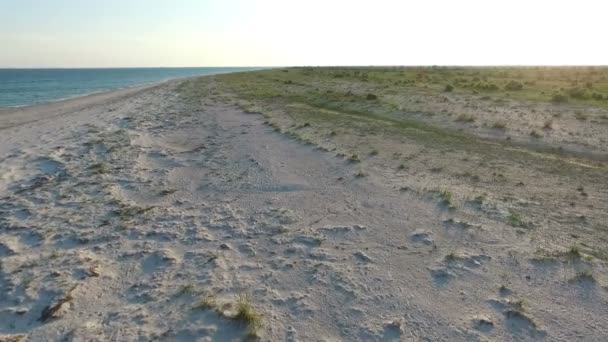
(112, 33)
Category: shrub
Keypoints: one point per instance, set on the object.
(372, 97)
(446, 197)
(559, 98)
(247, 315)
(579, 115)
(486, 86)
(465, 118)
(577, 93)
(499, 125)
(597, 96)
(514, 86)
(448, 88)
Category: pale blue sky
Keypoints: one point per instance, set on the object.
(87, 33)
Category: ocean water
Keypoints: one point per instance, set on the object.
(21, 87)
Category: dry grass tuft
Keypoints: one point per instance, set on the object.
(247, 315)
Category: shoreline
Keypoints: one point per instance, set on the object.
(81, 95)
(15, 116)
(77, 96)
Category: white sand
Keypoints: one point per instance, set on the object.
(142, 206)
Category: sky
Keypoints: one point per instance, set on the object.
(153, 33)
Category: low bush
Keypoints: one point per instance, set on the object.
(559, 98)
(577, 93)
(514, 86)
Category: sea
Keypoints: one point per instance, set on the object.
(23, 87)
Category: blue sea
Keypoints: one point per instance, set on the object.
(21, 87)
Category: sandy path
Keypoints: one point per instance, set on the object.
(157, 204)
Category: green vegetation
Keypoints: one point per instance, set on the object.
(585, 275)
(360, 174)
(247, 315)
(535, 134)
(185, 289)
(354, 159)
(333, 101)
(514, 86)
(559, 98)
(450, 257)
(574, 252)
(499, 125)
(127, 211)
(446, 197)
(515, 219)
(207, 303)
(99, 168)
(465, 118)
(579, 115)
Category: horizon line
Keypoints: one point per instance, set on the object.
(303, 66)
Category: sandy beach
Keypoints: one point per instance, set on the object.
(184, 211)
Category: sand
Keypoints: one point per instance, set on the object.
(134, 215)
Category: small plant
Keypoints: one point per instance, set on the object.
(374, 153)
(585, 275)
(499, 125)
(371, 97)
(465, 118)
(446, 197)
(99, 169)
(450, 257)
(579, 115)
(559, 98)
(515, 219)
(448, 88)
(126, 211)
(504, 290)
(514, 86)
(401, 167)
(167, 192)
(185, 289)
(27, 280)
(577, 93)
(246, 314)
(518, 305)
(535, 134)
(354, 158)
(360, 174)
(574, 252)
(548, 124)
(207, 303)
(478, 200)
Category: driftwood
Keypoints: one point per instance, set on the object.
(50, 311)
